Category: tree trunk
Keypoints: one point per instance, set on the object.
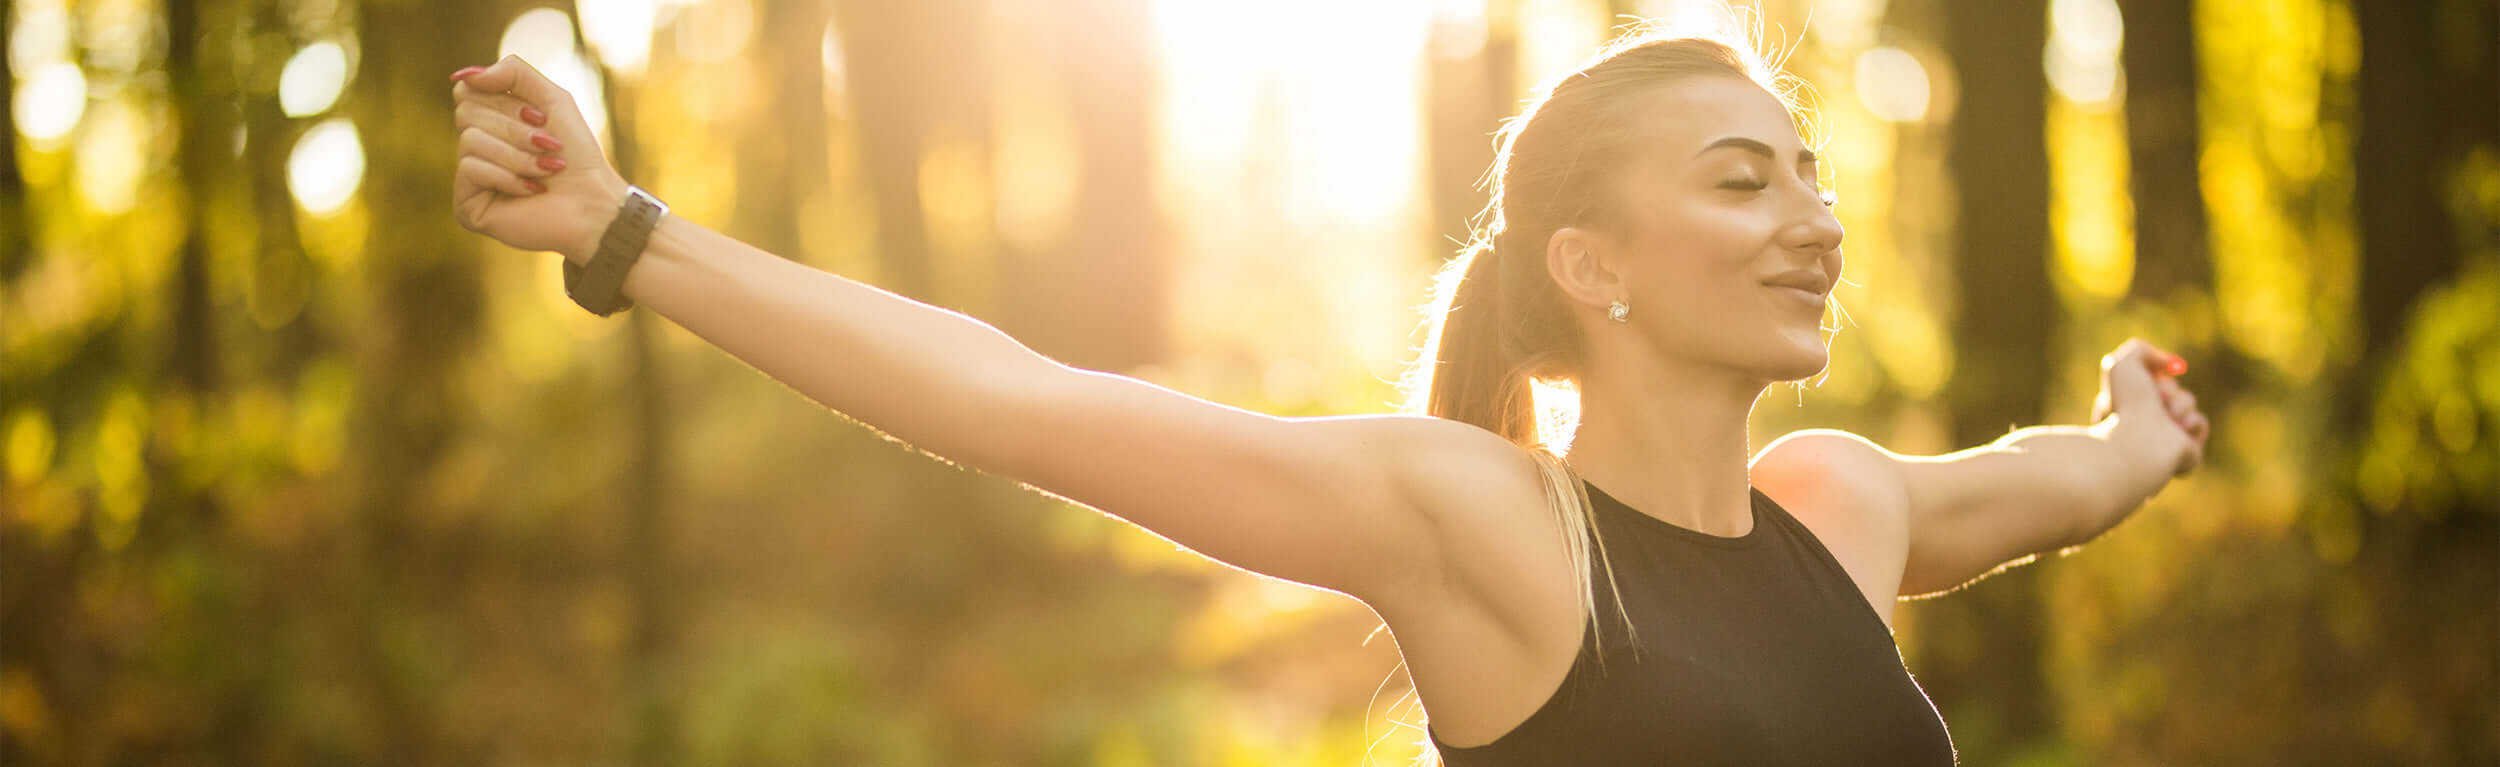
(1989, 684)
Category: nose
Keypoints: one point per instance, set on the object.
(1815, 229)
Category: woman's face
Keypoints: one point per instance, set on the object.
(1719, 205)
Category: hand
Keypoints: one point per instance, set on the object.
(530, 172)
(2138, 385)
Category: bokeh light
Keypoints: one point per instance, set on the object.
(313, 79)
(544, 38)
(2082, 56)
(327, 165)
(113, 153)
(49, 103)
(1892, 84)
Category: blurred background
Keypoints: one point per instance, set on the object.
(298, 472)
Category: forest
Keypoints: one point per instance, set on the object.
(295, 471)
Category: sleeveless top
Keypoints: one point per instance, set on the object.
(1755, 650)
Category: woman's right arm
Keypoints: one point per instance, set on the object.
(1335, 502)
(1323, 501)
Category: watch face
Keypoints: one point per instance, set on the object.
(636, 191)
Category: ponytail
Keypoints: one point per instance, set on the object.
(1489, 345)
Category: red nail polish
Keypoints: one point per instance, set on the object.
(466, 72)
(550, 163)
(2178, 366)
(532, 116)
(546, 142)
(534, 186)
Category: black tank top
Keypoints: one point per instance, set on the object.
(1755, 650)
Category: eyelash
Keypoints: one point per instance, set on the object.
(1829, 200)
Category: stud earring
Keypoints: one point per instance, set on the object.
(1619, 311)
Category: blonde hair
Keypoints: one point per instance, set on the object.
(1500, 329)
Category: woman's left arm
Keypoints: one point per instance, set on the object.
(2039, 489)
(2045, 488)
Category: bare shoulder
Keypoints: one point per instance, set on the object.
(1849, 492)
(1827, 455)
(1501, 551)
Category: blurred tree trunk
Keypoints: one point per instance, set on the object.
(16, 243)
(2160, 62)
(2422, 110)
(418, 317)
(893, 62)
(782, 163)
(183, 517)
(2173, 264)
(641, 490)
(1468, 95)
(1981, 648)
(917, 85)
(1102, 305)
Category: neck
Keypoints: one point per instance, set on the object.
(1669, 440)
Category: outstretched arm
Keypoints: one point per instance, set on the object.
(1325, 501)
(2039, 489)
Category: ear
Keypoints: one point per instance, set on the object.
(1575, 258)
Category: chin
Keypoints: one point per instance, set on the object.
(1795, 361)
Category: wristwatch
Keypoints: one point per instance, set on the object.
(599, 286)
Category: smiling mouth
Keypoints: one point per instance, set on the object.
(1801, 293)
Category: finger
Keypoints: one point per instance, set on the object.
(462, 92)
(2199, 427)
(2182, 406)
(475, 142)
(504, 127)
(514, 76)
(2157, 360)
(478, 172)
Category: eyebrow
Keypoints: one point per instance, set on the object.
(1756, 147)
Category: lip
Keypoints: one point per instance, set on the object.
(1801, 295)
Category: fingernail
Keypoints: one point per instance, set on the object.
(550, 163)
(466, 72)
(533, 185)
(532, 116)
(2178, 366)
(546, 142)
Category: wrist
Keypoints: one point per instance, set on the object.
(2137, 454)
(598, 207)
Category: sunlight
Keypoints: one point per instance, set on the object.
(620, 32)
(715, 30)
(326, 166)
(313, 79)
(112, 159)
(1892, 85)
(51, 92)
(544, 38)
(2090, 213)
(837, 86)
(2082, 55)
(39, 35)
(1292, 153)
(49, 104)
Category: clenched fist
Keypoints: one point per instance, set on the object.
(2158, 416)
(530, 171)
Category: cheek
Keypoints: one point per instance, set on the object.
(1703, 254)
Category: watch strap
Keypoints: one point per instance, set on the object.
(599, 285)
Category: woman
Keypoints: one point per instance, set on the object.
(1656, 241)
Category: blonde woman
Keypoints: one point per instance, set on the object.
(1656, 240)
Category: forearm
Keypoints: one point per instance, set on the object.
(2091, 469)
(928, 376)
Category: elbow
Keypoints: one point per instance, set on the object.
(1007, 420)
